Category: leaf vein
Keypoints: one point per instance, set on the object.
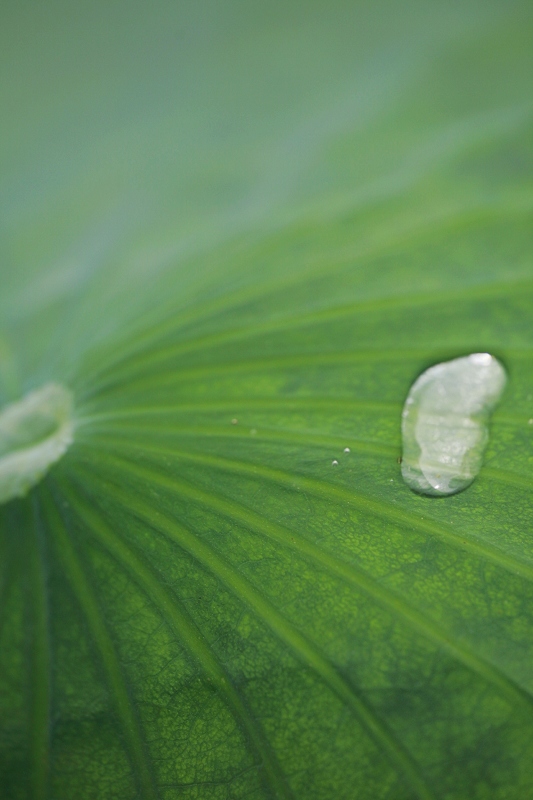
(180, 622)
(305, 651)
(88, 603)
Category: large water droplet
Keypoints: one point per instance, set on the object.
(34, 433)
(445, 423)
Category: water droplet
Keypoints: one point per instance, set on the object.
(445, 423)
(334, 463)
(34, 433)
(346, 449)
(253, 432)
(234, 421)
(530, 422)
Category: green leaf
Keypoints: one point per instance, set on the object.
(237, 233)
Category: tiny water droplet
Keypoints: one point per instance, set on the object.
(234, 421)
(445, 423)
(253, 432)
(530, 422)
(346, 449)
(334, 463)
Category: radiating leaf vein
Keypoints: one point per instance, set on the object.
(306, 652)
(179, 621)
(40, 663)
(85, 596)
(329, 491)
(356, 577)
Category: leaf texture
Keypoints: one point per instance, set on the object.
(238, 233)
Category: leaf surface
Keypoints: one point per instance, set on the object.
(238, 233)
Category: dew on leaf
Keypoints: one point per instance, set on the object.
(334, 463)
(445, 423)
(34, 433)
